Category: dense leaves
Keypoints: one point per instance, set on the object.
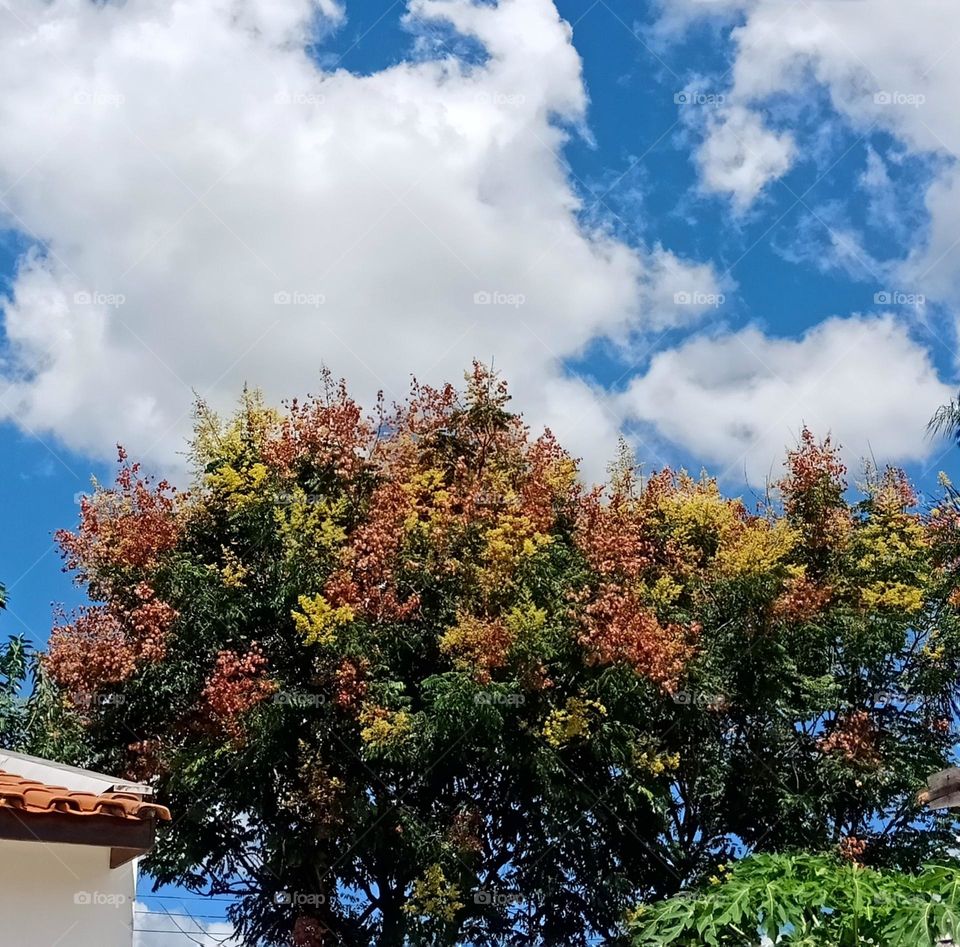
(403, 679)
(809, 901)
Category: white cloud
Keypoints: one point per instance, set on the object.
(185, 162)
(739, 156)
(738, 399)
(177, 926)
(887, 67)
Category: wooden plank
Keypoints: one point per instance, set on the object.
(95, 829)
(120, 856)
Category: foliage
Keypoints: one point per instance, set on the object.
(808, 901)
(402, 679)
(946, 420)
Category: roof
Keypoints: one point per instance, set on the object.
(43, 801)
(33, 796)
(48, 771)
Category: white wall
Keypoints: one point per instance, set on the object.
(64, 896)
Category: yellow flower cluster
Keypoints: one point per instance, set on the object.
(663, 593)
(434, 896)
(892, 595)
(318, 620)
(697, 514)
(721, 876)
(431, 503)
(656, 764)
(512, 538)
(307, 526)
(561, 476)
(889, 541)
(707, 524)
(233, 572)
(755, 548)
(477, 645)
(240, 486)
(933, 651)
(574, 722)
(241, 437)
(525, 620)
(384, 728)
(890, 548)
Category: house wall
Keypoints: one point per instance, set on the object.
(64, 896)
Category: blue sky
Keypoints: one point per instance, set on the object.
(179, 179)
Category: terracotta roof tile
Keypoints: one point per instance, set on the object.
(30, 795)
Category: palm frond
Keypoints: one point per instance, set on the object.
(946, 421)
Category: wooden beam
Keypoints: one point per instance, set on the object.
(120, 856)
(94, 829)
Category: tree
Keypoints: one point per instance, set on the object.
(403, 680)
(32, 716)
(809, 901)
(946, 421)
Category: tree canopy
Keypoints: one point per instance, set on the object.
(402, 678)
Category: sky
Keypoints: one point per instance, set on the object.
(701, 225)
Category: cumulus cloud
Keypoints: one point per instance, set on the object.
(211, 207)
(887, 67)
(739, 156)
(738, 399)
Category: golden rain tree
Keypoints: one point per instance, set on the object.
(404, 679)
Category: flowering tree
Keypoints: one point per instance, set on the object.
(403, 680)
